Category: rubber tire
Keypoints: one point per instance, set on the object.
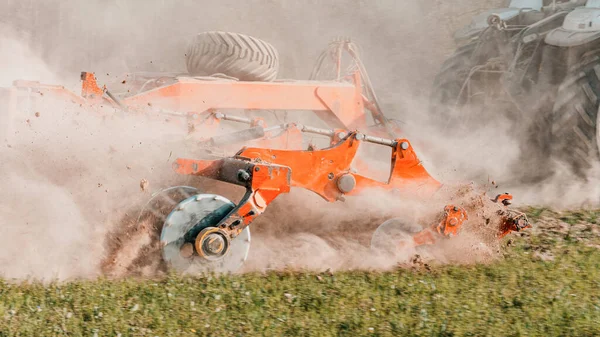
(534, 127)
(450, 79)
(236, 55)
(575, 114)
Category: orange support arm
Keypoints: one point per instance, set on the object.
(267, 173)
(327, 172)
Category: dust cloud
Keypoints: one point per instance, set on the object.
(68, 173)
(71, 177)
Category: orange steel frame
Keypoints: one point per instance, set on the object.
(340, 105)
(267, 173)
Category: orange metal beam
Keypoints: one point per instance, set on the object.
(191, 95)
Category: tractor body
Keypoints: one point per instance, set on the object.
(526, 75)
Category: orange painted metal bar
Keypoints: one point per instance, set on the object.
(198, 96)
(321, 171)
(58, 91)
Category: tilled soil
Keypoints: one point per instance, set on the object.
(288, 237)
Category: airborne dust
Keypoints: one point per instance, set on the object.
(70, 179)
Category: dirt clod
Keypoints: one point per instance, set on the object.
(144, 184)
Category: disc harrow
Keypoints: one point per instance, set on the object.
(268, 173)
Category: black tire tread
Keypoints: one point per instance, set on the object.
(450, 79)
(236, 55)
(575, 114)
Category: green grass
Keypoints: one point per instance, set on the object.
(570, 217)
(521, 295)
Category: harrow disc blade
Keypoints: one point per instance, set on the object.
(212, 209)
(394, 238)
(162, 203)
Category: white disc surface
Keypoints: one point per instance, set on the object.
(183, 217)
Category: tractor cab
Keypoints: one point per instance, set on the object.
(580, 27)
(517, 15)
(523, 12)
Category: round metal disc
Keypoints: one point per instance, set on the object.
(394, 238)
(162, 202)
(183, 217)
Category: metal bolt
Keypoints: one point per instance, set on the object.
(455, 209)
(346, 183)
(360, 136)
(330, 176)
(404, 145)
(342, 135)
(243, 176)
(219, 115)
(257, 169)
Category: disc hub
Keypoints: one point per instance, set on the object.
(212, 243)
(193, 244)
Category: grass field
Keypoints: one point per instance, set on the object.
(547, 284)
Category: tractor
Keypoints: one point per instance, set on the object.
(521, 70)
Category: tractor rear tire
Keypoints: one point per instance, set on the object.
(450, 80)
(575, 116)
(236, 55)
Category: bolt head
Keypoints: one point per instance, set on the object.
(346, 183)
(404, 145)
(243, 176)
